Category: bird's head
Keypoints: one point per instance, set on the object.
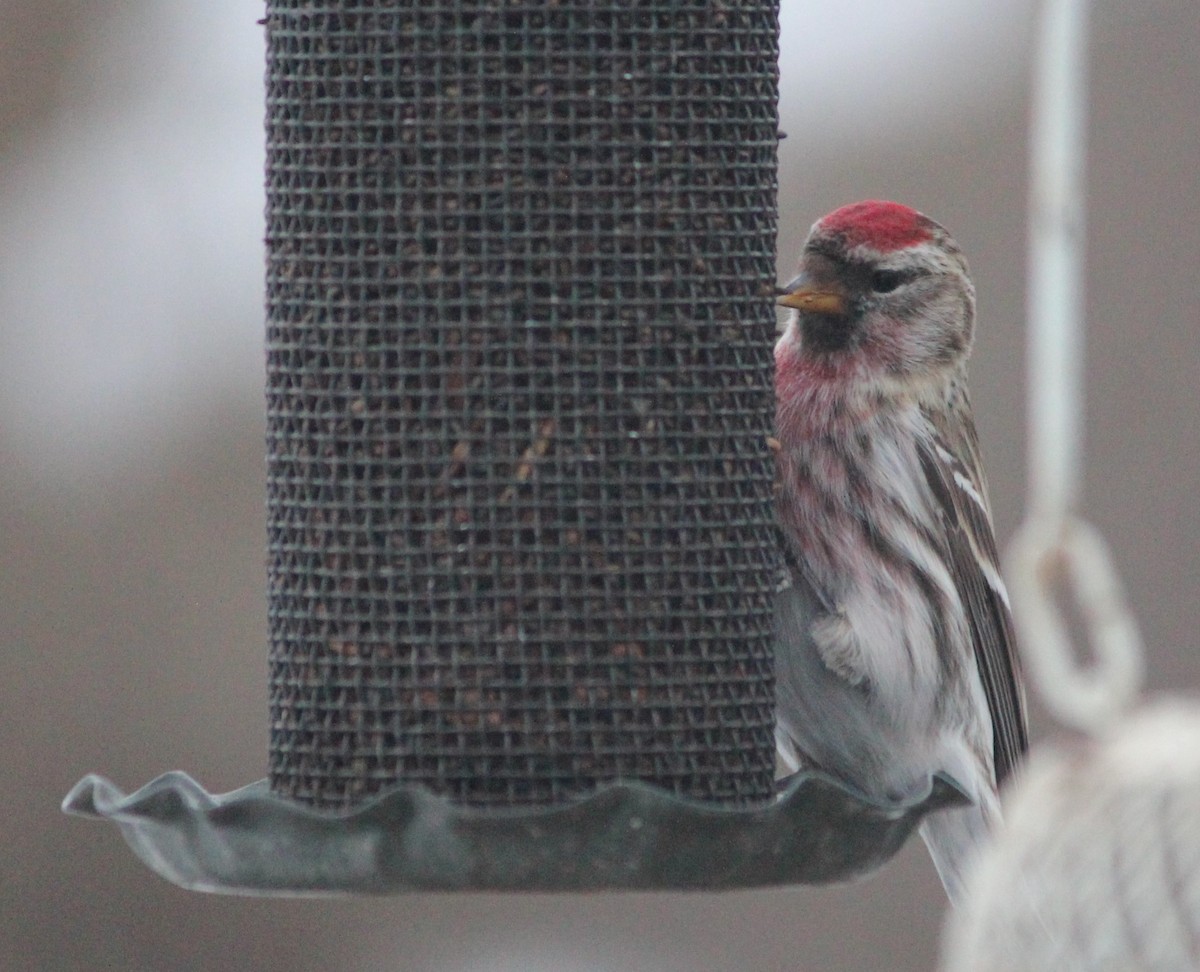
(883, 298)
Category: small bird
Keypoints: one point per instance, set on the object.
(895, 654)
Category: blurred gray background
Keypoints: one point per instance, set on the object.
(131, 470)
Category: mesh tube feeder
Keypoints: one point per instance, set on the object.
(522, 555)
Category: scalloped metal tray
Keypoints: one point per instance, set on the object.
(627, 835)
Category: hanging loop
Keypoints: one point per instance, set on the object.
(1056, 553)
(1070, 555)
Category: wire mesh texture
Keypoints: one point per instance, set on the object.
(518, 397)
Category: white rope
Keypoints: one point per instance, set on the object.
(1075, 556)
(1054, 545)
(1056, 247)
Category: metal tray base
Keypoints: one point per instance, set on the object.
(625, 836)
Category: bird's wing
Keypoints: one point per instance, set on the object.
(952, 467)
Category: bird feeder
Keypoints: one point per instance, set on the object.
(520, 266)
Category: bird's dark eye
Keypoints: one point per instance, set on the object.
(885, 281)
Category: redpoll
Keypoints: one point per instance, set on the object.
(894, 644)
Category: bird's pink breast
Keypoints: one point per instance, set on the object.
(811, 393)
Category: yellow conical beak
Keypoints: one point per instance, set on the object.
(813, 301)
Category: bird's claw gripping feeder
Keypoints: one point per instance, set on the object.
(522, 554)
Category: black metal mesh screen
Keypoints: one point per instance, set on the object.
(518, 396)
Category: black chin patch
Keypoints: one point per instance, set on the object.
(826, 333)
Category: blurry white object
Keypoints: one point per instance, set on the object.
(1098, 867)
(1099, 864)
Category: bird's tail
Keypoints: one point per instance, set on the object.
(955, 838)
